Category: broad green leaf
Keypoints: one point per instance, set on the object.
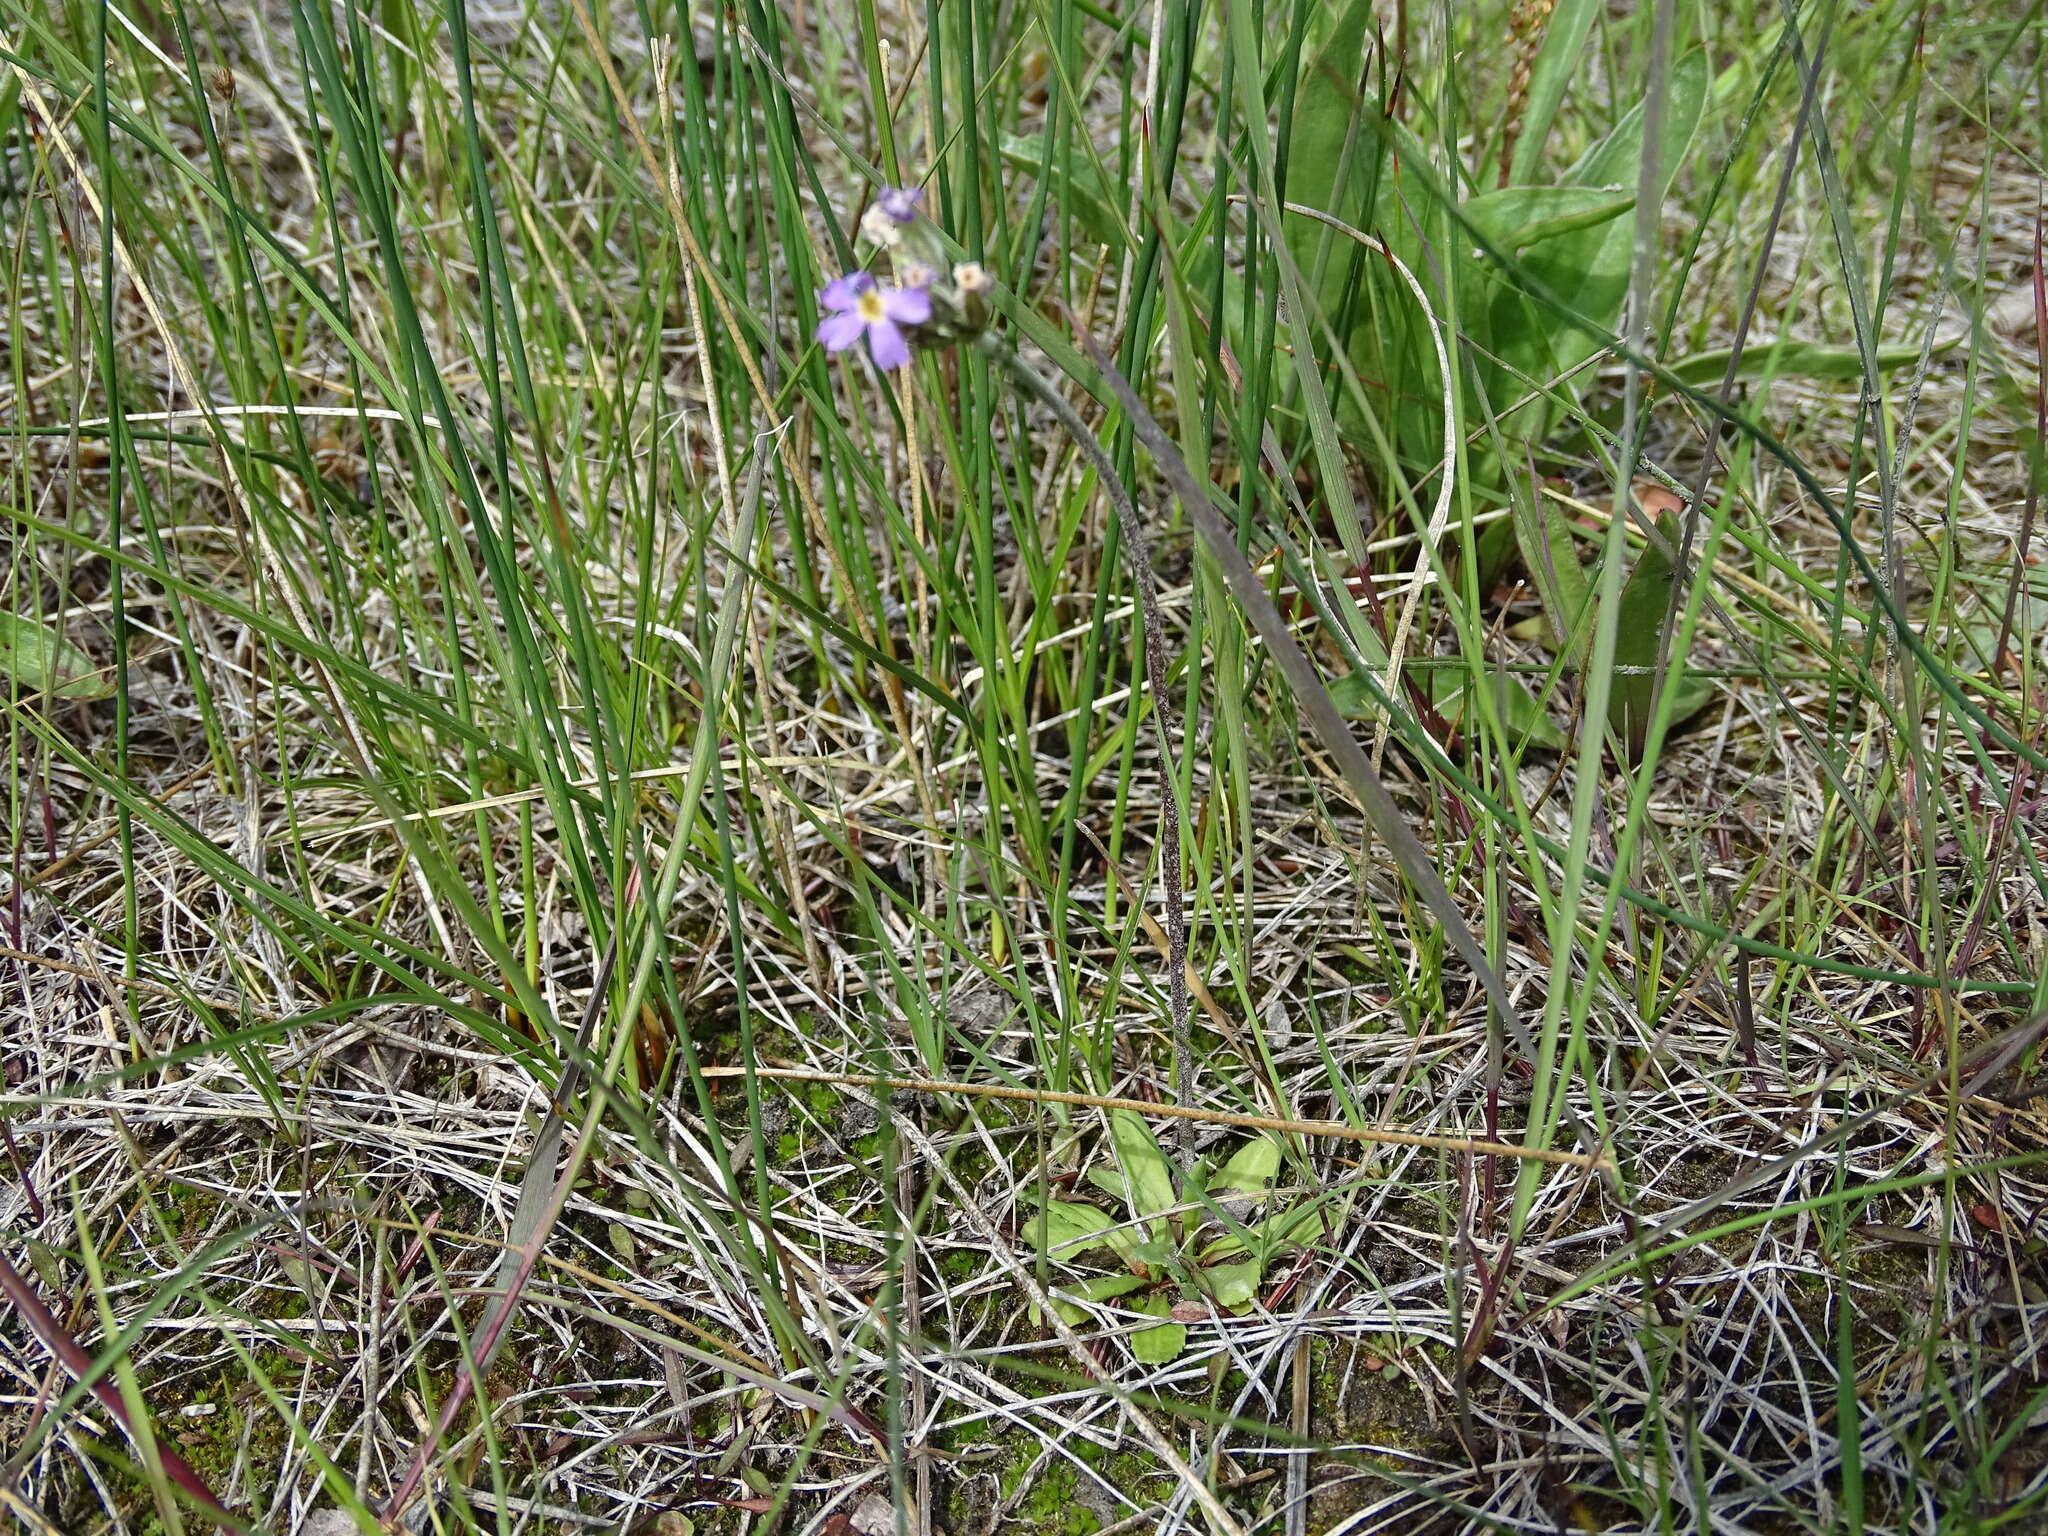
(1109, 1180)
(47, 1264)
(1986, 621)
(1444, 681)
(1353, 695)
(1793, 359)
(1152, 1256)
(1103, 1287)
(1570, 244)
(1586, 269)
(1590, 270)
(1094, 1288)
(1233, 1285)
(1516, 218)
(620, 1236)
(1448, 683)
(1544, 537)
(1295, 1228)
(1148, 1177)
(1124, 1241)
(1334, 158)
(1157, 1346)
(1328, 100)
(1612, 161)
(1694, 695)
(301, 1273)
(1343, 155)
(40, 660)
(1557, 65)
(1644, 602)
(1070, 1228)
(1251, 1169)
(1093, 206)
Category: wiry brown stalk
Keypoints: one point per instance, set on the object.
(1338, 1130)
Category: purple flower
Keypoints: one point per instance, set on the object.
(900, 203)
(860, 307)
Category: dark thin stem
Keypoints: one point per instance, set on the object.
(1028, 379)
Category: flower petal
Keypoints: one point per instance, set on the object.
(887, 344)
(845, 292)
(840, 331)
(907, 306)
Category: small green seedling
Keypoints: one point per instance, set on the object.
(1176, 1252)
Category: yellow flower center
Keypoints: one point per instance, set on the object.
(870, 306)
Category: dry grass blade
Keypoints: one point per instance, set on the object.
(856, 749)
(1994, 1057)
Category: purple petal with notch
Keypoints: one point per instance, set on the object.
(900, 203)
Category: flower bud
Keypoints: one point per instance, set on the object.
(972, 286)
(879, 230)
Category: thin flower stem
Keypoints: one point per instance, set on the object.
(1035, 385)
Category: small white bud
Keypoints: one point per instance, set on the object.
(880, 229)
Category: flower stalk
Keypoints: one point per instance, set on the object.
(936, 300)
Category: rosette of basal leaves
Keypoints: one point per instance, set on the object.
(1207, 1253)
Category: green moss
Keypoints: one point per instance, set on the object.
(1127, 1471)
(241, 1442)
(1051, 1505)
